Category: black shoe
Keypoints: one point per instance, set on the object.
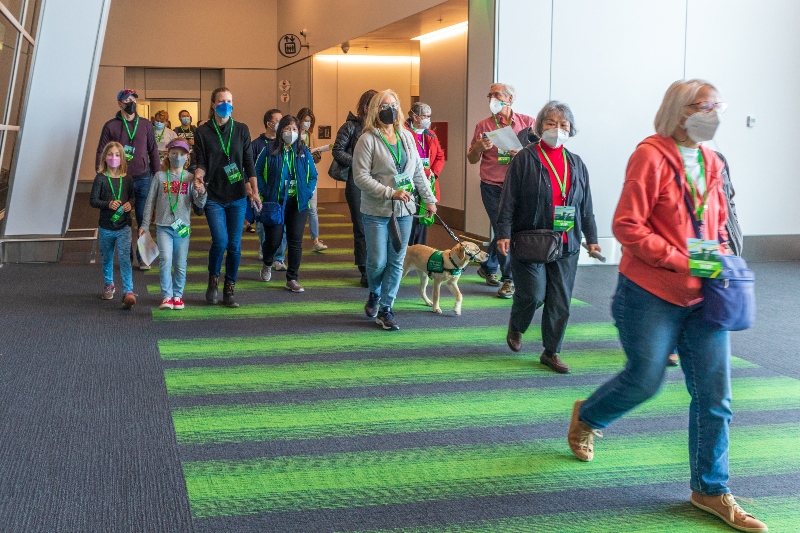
(364, 281)
(212, 292)
(371, 307)
(227, 295)
(386, 319)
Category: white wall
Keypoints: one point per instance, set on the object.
(612, 61)
(443, 69)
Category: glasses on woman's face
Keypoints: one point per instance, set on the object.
(708, 107)
(393, 105)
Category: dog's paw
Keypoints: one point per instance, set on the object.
(457, 312)
(437, 310)
(429, 304)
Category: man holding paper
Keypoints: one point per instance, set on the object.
(493, 145)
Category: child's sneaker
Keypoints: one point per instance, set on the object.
(166, 303)
(108, 291)
(177, 303)
(129, 300)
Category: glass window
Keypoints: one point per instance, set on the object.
(10, 138)
(15, 7)
(21, 82)
(8, 45)
(33, 11)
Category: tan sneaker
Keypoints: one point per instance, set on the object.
(507, 290)
(725, 507)
(580, 436)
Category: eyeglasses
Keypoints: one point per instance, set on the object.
(707, 107)
(496, 95)
(394, 105)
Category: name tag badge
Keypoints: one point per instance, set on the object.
(293, 188)
(180, 228)
(426, 163)
(503, 158)
(565, 218)
(232, 171)
(403, 182)
(129, 152)
(117, 214)
(704, 258)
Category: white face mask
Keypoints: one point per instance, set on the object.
(306, 125)
(701, 127)
(555, 137)
(289, 137)
(496, 105)
(425, 123)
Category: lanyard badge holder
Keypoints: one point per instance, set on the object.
(129, 150)
(402, 180)
(231, 169)
(120, 210)
(704, 260)
(179, 226)
(564, 216)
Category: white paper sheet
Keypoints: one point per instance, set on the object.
(504, 139)
(320, 149)
(148, 249)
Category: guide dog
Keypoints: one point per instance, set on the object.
(442, 267)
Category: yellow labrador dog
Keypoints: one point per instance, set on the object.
(443, 267)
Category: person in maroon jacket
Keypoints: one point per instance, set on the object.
(141, 151)
(432, 156)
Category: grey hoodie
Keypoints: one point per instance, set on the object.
(374, 170)
(159, 198)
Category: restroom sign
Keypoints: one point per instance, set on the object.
(285, 98)
(284, 86)
(289, 45)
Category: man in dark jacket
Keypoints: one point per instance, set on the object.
(141, 150)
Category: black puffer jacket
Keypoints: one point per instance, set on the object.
(735, 239)
(527, 199)
(346, 139)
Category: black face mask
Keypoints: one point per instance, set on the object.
(130, 108)
(388, 115)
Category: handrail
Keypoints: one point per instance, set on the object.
(93, 237)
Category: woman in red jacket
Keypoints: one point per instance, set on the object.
(658, 302)
(432, 156)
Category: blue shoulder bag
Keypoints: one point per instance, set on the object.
(729, 300)
(272, 213)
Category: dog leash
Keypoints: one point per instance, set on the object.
(445, 226)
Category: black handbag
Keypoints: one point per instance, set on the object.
(537, 246)
(338, 172)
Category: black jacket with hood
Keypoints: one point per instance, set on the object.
(346, 139)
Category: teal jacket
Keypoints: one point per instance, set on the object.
(270, 185)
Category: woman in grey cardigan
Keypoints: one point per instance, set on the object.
(387, 169)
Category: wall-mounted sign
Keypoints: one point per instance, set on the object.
(284, 86)
(285, 98)
(324, 132)
(289, 45)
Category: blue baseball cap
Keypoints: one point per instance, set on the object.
(124, 93)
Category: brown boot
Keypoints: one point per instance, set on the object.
(580, 436)
(227, 295)
(212, 292)
(514, 338)
(725, 507)
(552, 361)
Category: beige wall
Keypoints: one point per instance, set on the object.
(254, 91)
(104, 107)
(339, 81)
(240, 34)
(443, 75)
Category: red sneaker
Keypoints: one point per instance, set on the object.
(177, 303)
(166, 303)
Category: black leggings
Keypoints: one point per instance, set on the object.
(295, 225)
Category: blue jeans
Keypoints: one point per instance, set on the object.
(490, 194)
(225, 222)
(280, 252)
(120, 238)
(313, 217)
(141, 188)
(649, 328)
(384, 265)
(172, 251)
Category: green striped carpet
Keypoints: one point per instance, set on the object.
(295, 413)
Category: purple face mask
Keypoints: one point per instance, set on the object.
(113, 161)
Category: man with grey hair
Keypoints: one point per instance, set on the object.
(494, 164)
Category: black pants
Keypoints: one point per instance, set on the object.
(419, 233)
(295, 225)
(550, 285)
(353, 195)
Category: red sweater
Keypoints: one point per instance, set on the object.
(652, 221)
(556, 156)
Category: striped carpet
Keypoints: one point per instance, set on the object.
(296, 413)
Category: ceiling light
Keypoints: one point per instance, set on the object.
(444, 32)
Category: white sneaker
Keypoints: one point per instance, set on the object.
(260, 255)
(266, 273)
(320, 246)
(280, 266)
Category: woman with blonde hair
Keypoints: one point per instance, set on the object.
(671, 179)
(387, 169)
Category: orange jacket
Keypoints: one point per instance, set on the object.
(652, 220)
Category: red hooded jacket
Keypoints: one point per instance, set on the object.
(652, 220)
(435, 154)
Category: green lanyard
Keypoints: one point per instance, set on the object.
(158, 139)
(289, 161)
(561, 184)
(395, 156)
(169, 191)
(702, 209)
(498, 124)
(135, 127)
(422, 144)
(117, 195)
(226, 149)
(308, 140)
